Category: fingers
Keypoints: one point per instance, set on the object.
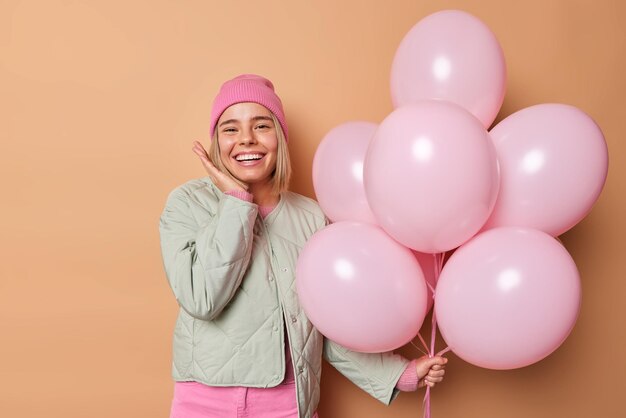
(200, 151)
(436, 361)
(435, 375)
(427, 382)
(431, 381)
(441, 360)
(436, 372)
(197, 144)
(223, 180)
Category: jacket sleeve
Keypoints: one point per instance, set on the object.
(375, 373)
(205, 264)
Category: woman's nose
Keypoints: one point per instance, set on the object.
(248, 137)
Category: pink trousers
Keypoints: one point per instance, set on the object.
(196, 400)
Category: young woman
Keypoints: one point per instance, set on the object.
(243, 347)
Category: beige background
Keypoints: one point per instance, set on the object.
(99, 104)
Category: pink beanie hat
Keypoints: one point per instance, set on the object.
(247, 88)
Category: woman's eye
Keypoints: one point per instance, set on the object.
(263, 126)
(229, 130)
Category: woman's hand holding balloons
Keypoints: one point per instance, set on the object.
(430, 370)
(223, 181)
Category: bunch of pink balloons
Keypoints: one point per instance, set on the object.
(431, 178)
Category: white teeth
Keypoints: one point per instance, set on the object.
(248, 157)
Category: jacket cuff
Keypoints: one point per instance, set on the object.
(240, 194)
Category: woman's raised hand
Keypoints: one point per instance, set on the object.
(224, 181)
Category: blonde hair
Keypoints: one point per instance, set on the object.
(282, 172)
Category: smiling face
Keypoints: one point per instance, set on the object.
(248, 142)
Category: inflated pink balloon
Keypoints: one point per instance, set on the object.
(507, 298)
(360, 288)
(338, 172)
(554, 162)
(431, 175)
(451, 55)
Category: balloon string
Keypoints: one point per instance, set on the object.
(433, 332)
(423, 342)
(437, 267)
(419, 349)
(444, 351)
(432, 289)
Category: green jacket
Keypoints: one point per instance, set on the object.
(233, 275)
